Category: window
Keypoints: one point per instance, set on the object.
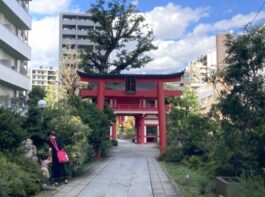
(151, 133)
(68, 37)
(115, 85)
(107, 102)
(145, 85)
(150, 103)
(69, 27)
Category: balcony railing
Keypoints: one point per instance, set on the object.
(137, 107)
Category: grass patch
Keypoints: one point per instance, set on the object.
(197, 185)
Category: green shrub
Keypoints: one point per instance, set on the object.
(249, 186)
(78, 156)
(114, 142)
(193, 162)
(210, 168)
(11, 133)
(33, 178)
(105, 147)
(19, 179)
(172, 154)
(73, 133)
(206, 185)
(98, 121)
(4, 187)
(198, 184)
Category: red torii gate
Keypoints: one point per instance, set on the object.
(141, 95)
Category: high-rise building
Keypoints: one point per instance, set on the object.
(221, 49)
(73, 32)
(43, 76)
(15, 22)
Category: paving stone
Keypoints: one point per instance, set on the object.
(131, 171)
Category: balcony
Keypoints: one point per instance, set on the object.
(16, 14)
(13, 78)
(13, 45)
(134, 108)
(84, 42)
(69, 31)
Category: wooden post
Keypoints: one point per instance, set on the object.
(141, 129)
(114, 137)
(161, 117)
(100, 96)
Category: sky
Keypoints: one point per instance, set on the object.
(183, 29)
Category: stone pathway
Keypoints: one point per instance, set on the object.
(131, 171)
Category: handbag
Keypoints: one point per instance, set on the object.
(61, 154)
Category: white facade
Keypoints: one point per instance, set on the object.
(43, 76)
(15, 52)
(198, 73)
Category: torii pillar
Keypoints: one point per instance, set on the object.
(161, 117)
(141, 129)
(113, 130)
(100, 96)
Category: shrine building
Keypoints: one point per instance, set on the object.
(139, 95)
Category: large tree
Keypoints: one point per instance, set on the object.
(243, 102)
(121, 38)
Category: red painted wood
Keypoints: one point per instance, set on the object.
(120, 120)
(141, 131)
(124, 103)
(114, 135)
(137, 129)
(161, 117)
(128, 100)
(88, 93)
(140, 94)
(100, 95)
(138, 78)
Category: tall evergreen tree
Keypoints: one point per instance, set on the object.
(121, 38)
(243, 102)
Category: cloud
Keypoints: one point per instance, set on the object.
(135, 2)
(172, 21)
(48, 7)
(176, 49)
(238, 21)
(44, 41)
(180, 36)
(173, 56)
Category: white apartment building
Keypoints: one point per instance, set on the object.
(196, 77)
(201, 69)
(15, 22)
(43, 76)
